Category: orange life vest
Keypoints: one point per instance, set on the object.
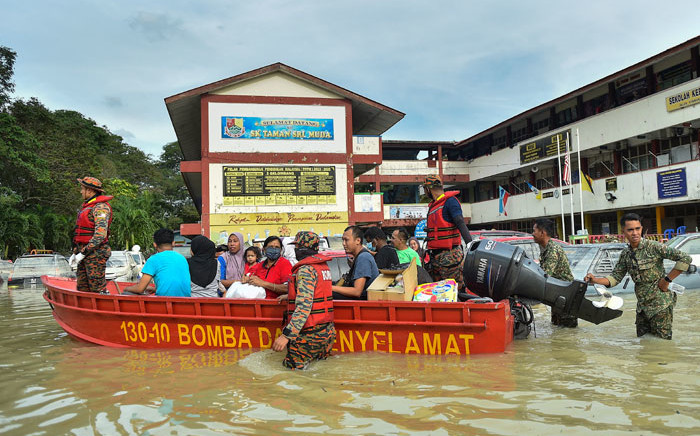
(322, 308)
(441, 233)
(84, 225)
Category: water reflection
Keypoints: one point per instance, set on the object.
(593, 380)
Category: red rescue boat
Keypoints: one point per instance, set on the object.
(209, 323)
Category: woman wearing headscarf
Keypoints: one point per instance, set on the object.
(273, 272)
(234, 259)
(204, 268)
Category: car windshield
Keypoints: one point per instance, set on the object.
(675, 241)
(580, 259)
(28, 263)
(136, 257)
(116, 260)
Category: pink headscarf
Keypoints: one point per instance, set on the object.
(235, 263)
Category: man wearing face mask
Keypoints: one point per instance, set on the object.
(310, 333)
(446, 229)
(273, 272)
(385, 255)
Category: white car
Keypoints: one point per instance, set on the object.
(139, 259)
(121, 267)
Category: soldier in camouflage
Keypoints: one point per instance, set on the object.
(643, 260)
(310, 333)
(91, 236)
(554, 262)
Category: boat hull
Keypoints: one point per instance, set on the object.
(215, 323)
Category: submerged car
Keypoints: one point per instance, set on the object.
(121, 267)
(27, 269)
(599, 260)
(690, 244)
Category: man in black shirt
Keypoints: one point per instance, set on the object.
(384, 254)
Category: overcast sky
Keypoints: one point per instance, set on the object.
(454, 68)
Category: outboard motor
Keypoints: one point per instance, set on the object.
(498, 270)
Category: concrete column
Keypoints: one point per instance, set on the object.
(660, 214)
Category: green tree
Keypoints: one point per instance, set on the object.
(7, 71)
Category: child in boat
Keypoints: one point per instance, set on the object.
(252, 256)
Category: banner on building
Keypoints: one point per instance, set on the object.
(408, 212)
(672, 183)
(277, 128)
(543, 148)
(261, 225)
(683, 99)
(282, 185)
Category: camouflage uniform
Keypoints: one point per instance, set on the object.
(646, 267)
(554, 262)
(316, 342)
(91, 270)
(447, 265)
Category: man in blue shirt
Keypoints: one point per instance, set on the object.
(168, 269)
(364, 268)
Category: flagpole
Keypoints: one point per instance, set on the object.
(561, 193)
(580, 176)
(571, 188)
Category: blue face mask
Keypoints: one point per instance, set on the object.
(273, 253)
(370, 246)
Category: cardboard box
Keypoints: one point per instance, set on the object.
(381, 289)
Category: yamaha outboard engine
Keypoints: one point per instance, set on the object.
(498, 270)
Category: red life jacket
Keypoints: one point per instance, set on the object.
(322, 308)
(441, 233)
(85, 224)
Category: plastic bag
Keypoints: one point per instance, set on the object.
(442, 291)
(244, 290)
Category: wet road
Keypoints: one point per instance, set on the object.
(594, 380)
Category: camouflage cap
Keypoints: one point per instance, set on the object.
(433, 181)
(306, 240)
(91, 183)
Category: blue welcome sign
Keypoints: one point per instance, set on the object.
(317, 129)
(672, 183)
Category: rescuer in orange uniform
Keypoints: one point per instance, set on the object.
(91, 236)
(446, 229)
(310, 333)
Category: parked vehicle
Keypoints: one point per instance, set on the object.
(27, 269)
(121, 267)
(185, 250)
(5, 268)
(598, 259)
(138, 257)
(687, 243)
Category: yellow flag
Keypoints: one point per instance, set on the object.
(586, 183)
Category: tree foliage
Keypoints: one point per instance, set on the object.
(45, 151)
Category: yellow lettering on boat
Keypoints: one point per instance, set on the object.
(376, 342)
(244, 338)
(228, 336)
(264, 337)
(363, 341)
(432, 347)
(466, 342)
(198, 328)
(183, 334)
(411, 344)
(214, 336)
(452, 346)
(346, 342)
(391, 344)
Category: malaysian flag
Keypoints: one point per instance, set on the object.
(567, 170)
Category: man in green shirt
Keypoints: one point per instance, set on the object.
(643, 259)
(554, 262)
(399, 238)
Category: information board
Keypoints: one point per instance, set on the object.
(672, 183)
(278, 185)
(543, 147)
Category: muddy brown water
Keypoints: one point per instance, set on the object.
(593, 380)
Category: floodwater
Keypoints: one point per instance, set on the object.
(593, 380)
